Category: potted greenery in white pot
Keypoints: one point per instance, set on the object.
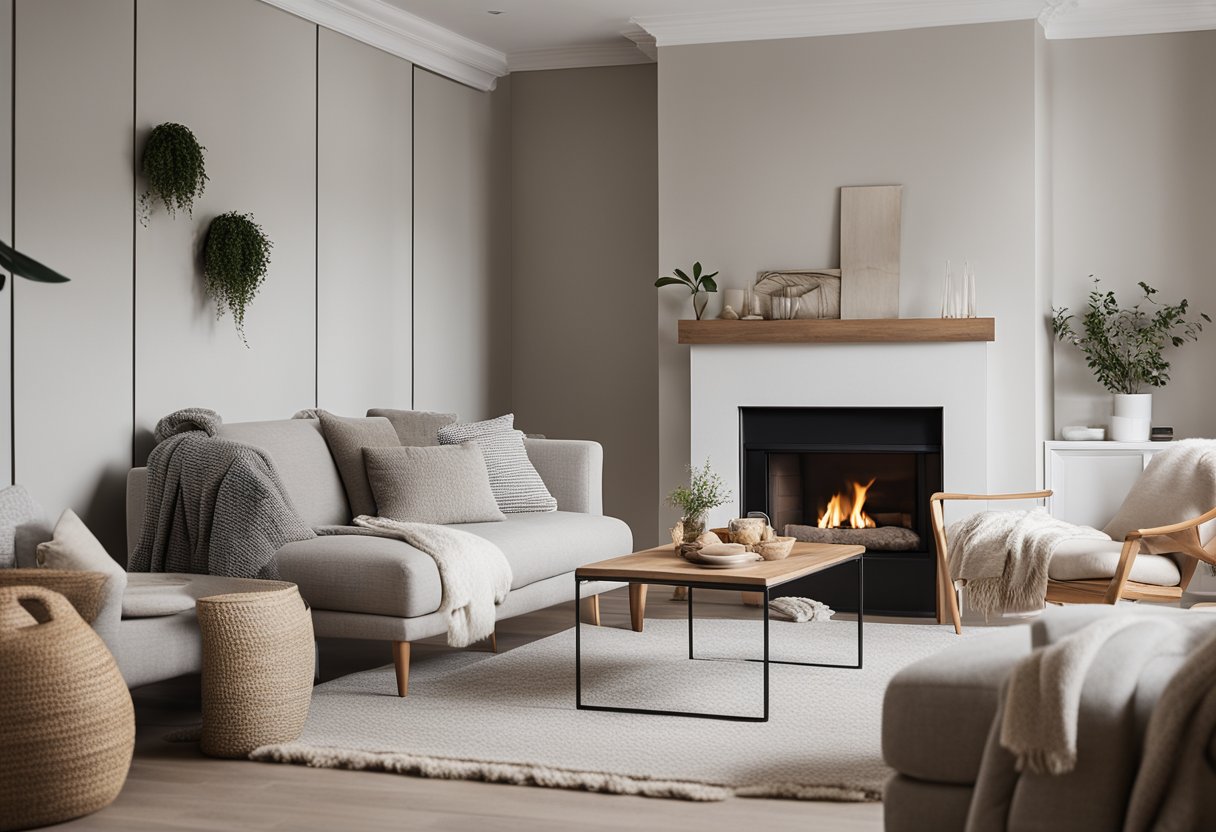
(1124, 348)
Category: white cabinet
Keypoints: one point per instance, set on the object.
(1090, 479)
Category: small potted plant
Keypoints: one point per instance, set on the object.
(236, 257)
(705, 491)
(1124, 348)
(700, 285)
(175, 169)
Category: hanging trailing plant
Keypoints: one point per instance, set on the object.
(174, 168)
(236, 256)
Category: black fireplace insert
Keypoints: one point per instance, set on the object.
(846, 474)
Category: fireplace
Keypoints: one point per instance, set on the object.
(850, 474)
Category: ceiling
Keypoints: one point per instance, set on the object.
(463, 40)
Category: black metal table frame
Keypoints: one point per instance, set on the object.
(692, 585)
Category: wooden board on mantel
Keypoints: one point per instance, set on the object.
(834, 331)
(869, 251)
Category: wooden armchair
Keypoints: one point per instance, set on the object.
(1093, 591)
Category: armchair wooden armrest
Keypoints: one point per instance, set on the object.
(947, 600)
(1184, 534)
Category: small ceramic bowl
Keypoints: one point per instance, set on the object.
(778, 548)
(1081, 433)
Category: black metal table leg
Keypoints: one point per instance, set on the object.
(766, 662)
(578, 643)
(689, 594)
(861, 605)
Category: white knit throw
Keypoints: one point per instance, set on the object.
(474, 573)
(1003, 556)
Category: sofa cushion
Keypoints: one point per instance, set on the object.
(346, 439)
(16, 508)
(304, 465)
(73, 546)
(517, 486)
(937, 711)
(544, 544)
(159, 594)
(415, 428)
(362, 573)
(442, 485)
(1078, 560)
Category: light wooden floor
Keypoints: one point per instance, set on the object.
(173, 787)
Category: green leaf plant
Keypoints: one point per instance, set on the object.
(697, 283)
(27, 267)
(175, 169)
(236, 256)
(1124, 347)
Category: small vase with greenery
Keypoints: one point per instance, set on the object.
(700, 285)
(1124, 348)
(705, 491)
(174, 168)
(236, 257)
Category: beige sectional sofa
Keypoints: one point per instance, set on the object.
(377, 588)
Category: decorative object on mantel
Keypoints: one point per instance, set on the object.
(27, 267)
(958, 294)
(1082, 433)
(869, 251)
(705, 490)
(816, 292)
(236, 257)
(700, 285)
(1123, 348)
(174, 167)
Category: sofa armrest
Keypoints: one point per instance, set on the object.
(572, 470)
(1057, 623)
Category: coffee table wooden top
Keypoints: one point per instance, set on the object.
(662, 564)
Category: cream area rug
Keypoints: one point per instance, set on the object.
(511, 718)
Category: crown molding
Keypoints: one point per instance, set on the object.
(405, 35)
(1063, 19)
(832, 17)
(573, 57)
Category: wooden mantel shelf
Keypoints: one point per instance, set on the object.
(870, 331)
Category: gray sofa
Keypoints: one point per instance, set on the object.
(376, 588)
(939, 733)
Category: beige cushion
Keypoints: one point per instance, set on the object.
(73, 546)
(443, 484)
(415, 427)
(1079, 560)
(346, 439)
(153, 594)
(517, 486)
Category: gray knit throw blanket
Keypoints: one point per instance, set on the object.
(213, 506)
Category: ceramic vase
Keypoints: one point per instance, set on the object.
(1133, 418)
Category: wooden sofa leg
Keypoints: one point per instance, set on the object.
(591, 610)
(401, 662)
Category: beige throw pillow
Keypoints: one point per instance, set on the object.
(415, 427)
(74, 547)
(442, 485)
(347, 437)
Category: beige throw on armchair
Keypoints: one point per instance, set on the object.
(1178, 484)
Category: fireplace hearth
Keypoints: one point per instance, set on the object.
(850, 475)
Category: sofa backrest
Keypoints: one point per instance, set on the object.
(304, 464)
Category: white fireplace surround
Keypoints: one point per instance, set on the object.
(952, 376)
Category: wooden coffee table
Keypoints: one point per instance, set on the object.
(663, 567)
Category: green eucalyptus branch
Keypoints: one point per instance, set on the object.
(705, 490)
(1124, 347)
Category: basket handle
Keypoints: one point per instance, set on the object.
(56, 605)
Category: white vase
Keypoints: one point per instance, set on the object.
(1133, 419)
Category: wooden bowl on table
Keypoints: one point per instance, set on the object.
(778, 548)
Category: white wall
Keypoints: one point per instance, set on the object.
(6, 234)
(462, 268)
(585, 212)
(364, 226)
(1133, 181)
(72, 382)
(755, 139)
(309, 131)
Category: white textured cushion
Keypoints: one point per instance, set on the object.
(1079, 560)
(517, 486)
(73, 546)
(445, 484)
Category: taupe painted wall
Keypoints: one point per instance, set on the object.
(755, 140)
(585, 209)
(132, 337)
(1134, 127)
(462, 260)
(72, 380)
(364, 226)
(6, 234)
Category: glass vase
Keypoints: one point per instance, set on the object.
(699, 301)
(694, 527)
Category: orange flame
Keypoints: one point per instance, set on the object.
(843, 507)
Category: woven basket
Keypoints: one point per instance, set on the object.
(67, 727)
(85, 591)
(258, 664)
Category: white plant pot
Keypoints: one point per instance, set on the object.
(1133, 419)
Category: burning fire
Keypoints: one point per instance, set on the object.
(844, 509)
